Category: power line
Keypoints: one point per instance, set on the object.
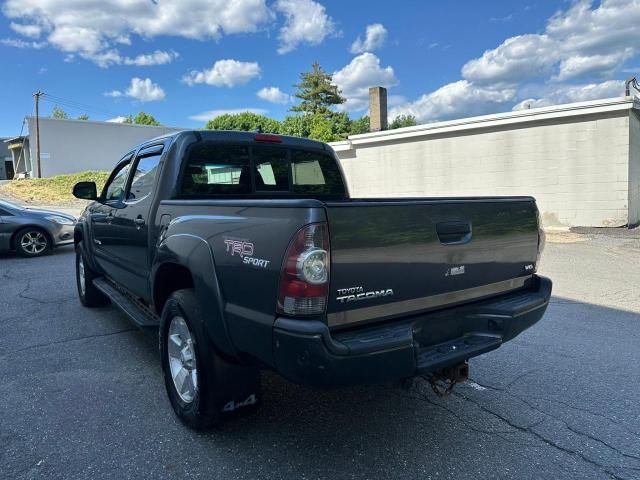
(78, 105)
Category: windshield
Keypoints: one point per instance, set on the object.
(9, 205)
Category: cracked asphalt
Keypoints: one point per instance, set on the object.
(81, 394)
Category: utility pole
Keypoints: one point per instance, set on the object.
(37, 96)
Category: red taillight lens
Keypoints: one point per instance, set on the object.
(304, 282)
(265, 137)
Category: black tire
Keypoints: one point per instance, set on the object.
(42, 245)
(89, 296)
(222, 389)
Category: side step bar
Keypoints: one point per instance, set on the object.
(455, 351)
(139, 314)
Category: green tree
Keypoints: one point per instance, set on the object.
(337, 126)
(245, 121)
(360, 126)
(57, 112)
(297, 125)
(316, 92)
(84, 116)
(403, 121)
(340, 125)
(322, 129)
(143, 118)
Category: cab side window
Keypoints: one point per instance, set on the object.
(114, 189)
(144, 176)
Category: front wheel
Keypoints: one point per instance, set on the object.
(32, 242)
(203, 387)
(89, 295)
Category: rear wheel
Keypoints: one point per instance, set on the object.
(203, 387)
(32, 242)
(89, 295)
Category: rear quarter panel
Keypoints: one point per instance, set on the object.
(247, 241)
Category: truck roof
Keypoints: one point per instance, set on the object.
(237, 136)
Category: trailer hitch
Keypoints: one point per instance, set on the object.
(442, 381)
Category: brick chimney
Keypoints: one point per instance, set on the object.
(378, 109)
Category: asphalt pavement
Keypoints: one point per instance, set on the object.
(82, 396)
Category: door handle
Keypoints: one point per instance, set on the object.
(139, 221)
(109, 217)
(454, 233)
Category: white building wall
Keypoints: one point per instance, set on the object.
(634, 169)
(69, 146)
(576, 166)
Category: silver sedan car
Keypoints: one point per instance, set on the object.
(31, 232)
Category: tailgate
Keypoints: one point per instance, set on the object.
(391, 258)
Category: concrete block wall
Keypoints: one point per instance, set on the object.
(69, 146)
(634, 168)
(577, 167)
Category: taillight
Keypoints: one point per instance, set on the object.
(304, 281)
(266, 137)
(541, 239)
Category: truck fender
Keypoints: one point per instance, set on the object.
(194, 253)
(82, 240)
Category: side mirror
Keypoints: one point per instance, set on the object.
(85, 191)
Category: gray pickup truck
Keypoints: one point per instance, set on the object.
(247, 252)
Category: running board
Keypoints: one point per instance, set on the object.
(139, 313)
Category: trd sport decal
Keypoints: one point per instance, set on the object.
(245, 250)
(239, 247)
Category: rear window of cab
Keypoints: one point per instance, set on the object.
(214, 169)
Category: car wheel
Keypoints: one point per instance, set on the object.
(89, 295)
(203, 387)
(32, 242)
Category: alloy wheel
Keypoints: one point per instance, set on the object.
(182, 359)
(33, 242)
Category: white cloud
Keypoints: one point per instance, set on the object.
(224, 73)
(506, 18)
(455, 100)
(517, 59)
(355, 78)
(597, 65)
(211, 114)
(90, 29)
(306, 22)
(27, 30)
(374, 38)
(584, 44)
(579, 42)
(273, 95)
(120, 119)
(19, 43)
(573, 93)
(159, 57)
(142, 90)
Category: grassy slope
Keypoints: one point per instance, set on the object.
(53, 190)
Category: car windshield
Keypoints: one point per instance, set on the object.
(9, 205)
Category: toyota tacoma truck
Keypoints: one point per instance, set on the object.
(248, 253)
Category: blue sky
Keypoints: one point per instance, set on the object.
(186, 61)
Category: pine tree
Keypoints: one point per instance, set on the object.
(317, 92)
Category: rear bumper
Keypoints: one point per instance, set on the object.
(306, 352)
